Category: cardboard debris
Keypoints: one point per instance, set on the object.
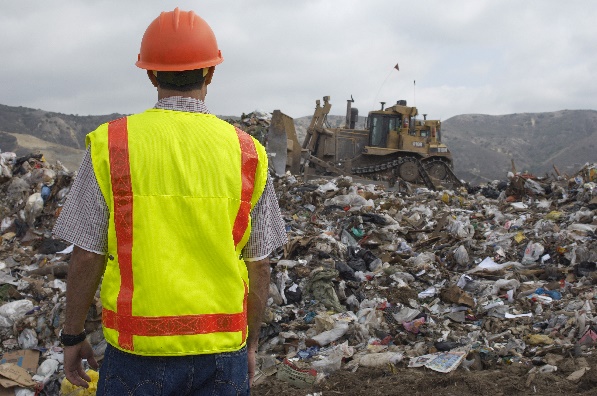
(578, 374)
(13, 375)
(456, 295)
(27, 359)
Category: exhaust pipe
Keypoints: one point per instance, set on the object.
(348, 112)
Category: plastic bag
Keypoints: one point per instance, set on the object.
(45, 370)
(17, 186)
(423, 260)
(14, 311)
(461, 256)
(347, 239)
(6, 223)
(23, 392)
(405, 314)
(340, 328)
(329, 186)
(380, 359)
(461, 229)
(33, 207)
(68, 389)
(349, 200)
(28, 339)
(281, 279)
(532, 252)
(330, 363)
(6, 162)
(505, 284)
(534, 186)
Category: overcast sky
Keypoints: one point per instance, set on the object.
(468, 56)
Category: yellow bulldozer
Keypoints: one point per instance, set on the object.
(394, 146)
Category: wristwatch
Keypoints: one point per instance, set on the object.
(71, 340)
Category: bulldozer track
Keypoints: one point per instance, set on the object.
(440, 169)
(413, 170)
(408, 174)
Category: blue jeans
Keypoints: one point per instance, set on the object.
(125, 374)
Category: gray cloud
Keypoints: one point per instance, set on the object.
(466, 56)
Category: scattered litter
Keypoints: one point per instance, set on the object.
(371, 276)
(486, 276)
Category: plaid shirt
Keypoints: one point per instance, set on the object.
(83, 220)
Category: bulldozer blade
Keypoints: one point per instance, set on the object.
(283, 147)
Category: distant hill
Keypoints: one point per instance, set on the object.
(482, 145)
(58, 136)
(65, 129)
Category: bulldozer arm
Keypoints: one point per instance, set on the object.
(285, 151)
(283, 147)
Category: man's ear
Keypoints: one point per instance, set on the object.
(152, 78)
(210, 74)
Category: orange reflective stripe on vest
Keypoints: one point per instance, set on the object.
(128, 325)
(249, 166)
(123, 218)
(123, 320)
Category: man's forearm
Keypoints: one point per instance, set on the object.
(85, 271)
(259, 279)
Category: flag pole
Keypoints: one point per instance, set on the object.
(382, 84)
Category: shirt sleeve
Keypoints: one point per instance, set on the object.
(268, 230)
(83, 220)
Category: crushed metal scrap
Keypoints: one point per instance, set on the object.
(499, 274)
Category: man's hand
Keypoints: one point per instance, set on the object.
(73, 366)
(84, 274)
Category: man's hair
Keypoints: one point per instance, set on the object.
(186, 80)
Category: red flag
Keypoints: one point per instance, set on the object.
(396, 67)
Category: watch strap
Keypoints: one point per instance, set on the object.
(71, 340)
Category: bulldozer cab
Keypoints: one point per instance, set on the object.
(380, 128)
(398, 128)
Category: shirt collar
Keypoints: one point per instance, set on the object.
(182, 103)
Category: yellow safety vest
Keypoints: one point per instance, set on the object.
(179, 187)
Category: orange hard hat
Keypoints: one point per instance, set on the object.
(178, 40)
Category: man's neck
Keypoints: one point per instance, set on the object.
(195, 93)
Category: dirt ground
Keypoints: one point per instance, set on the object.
(507, 380)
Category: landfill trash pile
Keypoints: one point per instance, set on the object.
(492, 277)
(371, 279)
(33, 268)
(255, 124)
